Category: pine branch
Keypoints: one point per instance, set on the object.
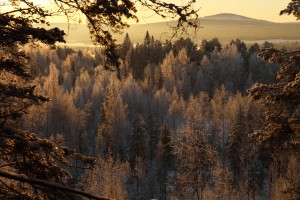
(35, 181)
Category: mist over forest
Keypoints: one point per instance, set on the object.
(225, 27)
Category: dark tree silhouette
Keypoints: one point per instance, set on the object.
(282, 99)
(281, 133)
(292, 8)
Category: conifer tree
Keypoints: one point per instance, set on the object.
(107, 121)
(219, 102)
(281, 103)
(237, 144)
(125, 47)
(147, 40)
(176, 110)
(108, 178)
(159, 78)
(25, 158)
(210, 46)
(166, 158)
(196, 160)
(139, 139)
(153, 131)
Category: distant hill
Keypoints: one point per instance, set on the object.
(224, 26)
(228, 16)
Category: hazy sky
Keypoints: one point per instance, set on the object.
(259, 9)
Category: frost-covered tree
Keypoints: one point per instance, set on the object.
(132, 95)
(113, 124)
(176, 110)
(17, 94)
(281, 112)
(196, 161)
(219, 123)
(107, 178)
(160, 104)
(281, 109)
(167, 70)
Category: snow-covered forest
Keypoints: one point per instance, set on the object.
(174, 122)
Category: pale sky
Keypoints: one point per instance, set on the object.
(258, 9)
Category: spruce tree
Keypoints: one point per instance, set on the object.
(281, 105)
(166, 158)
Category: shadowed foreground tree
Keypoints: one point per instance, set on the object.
(32, 167)
(282, 101)
(292, 8)
(281, 133)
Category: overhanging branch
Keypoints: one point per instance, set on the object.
(35, 181)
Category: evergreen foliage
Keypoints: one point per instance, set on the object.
(36, 168)
(178, 125)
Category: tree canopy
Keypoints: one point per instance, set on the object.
(32, 167)
(103, 17)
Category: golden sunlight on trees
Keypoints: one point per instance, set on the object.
(32, 167)
(178, 125)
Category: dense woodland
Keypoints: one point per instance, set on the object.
(178, 124)
(157, 120)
